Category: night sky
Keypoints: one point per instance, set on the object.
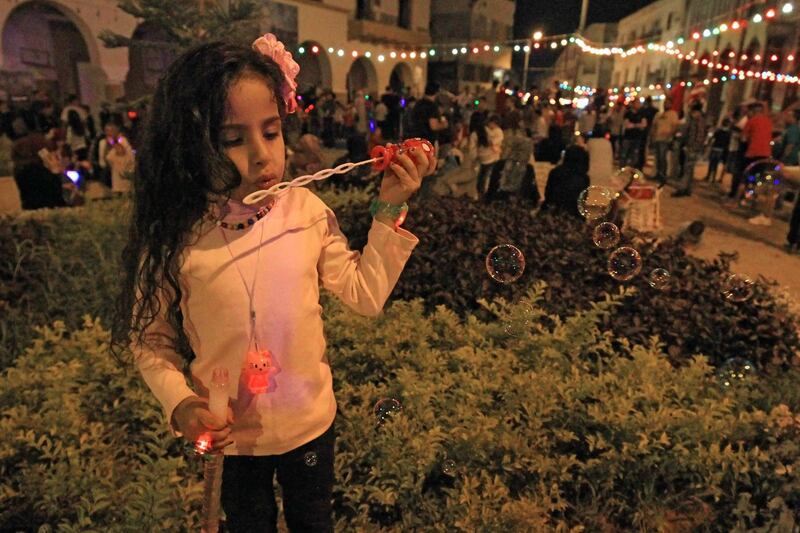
(562, 16)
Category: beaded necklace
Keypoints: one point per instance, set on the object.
(247, 223)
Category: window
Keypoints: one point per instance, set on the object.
(669, 21)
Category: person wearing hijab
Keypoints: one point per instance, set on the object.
(566, 182)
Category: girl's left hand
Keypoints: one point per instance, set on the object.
(404, 176)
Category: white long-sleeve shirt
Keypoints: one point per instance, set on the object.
(302, 247)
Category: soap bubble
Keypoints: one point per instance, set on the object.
(762, 179)
(449, 467)
(605, 235)
(737, 288)
(659, 278)
(505, 263)
(595, 202)
(627, 176)
(386, 408)
(310, 459)
(517, 326)
(735, 371)
(624, 263)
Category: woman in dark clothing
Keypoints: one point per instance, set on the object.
(566, 182)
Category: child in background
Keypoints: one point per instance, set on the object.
(211, 282)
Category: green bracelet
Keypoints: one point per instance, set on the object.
(395, 212)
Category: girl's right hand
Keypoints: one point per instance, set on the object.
(192, 418)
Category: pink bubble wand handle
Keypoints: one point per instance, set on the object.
(218, 396)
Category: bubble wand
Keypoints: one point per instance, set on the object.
(381, 158)
(212, 470)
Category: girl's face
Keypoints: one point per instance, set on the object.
(252, 137)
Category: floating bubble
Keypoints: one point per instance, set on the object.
(624, 263)
(386, 408)
(737, 288)
(735, 371)
(762, 180)
(310, 459)
(517, 326)
(627, 176)
(505, 263)
(605, 235)
(449, 467)
(595, 202)
(659, 278)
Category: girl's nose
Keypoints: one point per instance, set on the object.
(260, 152)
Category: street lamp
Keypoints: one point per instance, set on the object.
(537, 36)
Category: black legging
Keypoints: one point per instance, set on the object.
(794, 225)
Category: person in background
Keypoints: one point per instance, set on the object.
(649, 112)
(485, 145)
(676, 96)
(601, 156)
(635, 126)
(720, 143)
(665, 125)
(359, 176)
(306, 156)
(790, 140)
(616, 126)
(380, 114)
(693, 143)
(115, 154)
(757, 133)
(426, 119)
(76, 136)
(566, 182)
(38, 186)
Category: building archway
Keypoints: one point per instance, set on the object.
(361, 76)
(401, 77)
(47, 44)
(315, 67)
(148, 59)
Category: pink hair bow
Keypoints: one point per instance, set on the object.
(270, 46)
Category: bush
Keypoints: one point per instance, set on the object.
(84, 447)
(546, 431)
(448, 268)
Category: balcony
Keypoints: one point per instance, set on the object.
(377, 32)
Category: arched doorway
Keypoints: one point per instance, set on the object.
(361, 76)
(42, 43)
(315, 67)
(148, 59)
(400, 78)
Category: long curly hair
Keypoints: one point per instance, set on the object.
(180, 169)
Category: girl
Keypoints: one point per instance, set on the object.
(115, 156)
(212, 282)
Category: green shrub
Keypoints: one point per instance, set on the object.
(57, 264)
(84, 447)
(448, 268)
(547, 432)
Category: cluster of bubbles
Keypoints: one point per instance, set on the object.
(762, 180)
(735, 372)
(310, 459)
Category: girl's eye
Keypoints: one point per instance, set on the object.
(231, 142)
(270, 135)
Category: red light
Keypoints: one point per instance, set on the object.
(770, 13)
(696, 35)
(475, 50)
(790, 57)
(744, 57)
(735, 25)
(132, 115)
(773, 57)
(203, 444)
(536, 45)
(731, 54)
(315, 49)
(310, 108)
(757, 57)
(715, 53)
(354, 54)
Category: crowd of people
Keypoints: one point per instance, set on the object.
(496, 135)
(53, 150)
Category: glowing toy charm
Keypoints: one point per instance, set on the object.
(212, 471)
(258, 369)
(382, 157)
